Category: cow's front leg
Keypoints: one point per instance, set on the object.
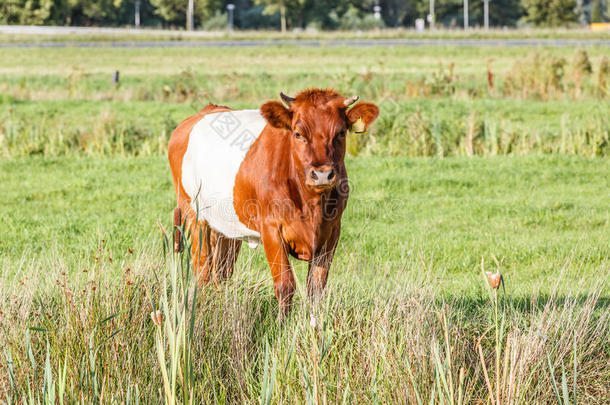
(281, 271)
(320, 264)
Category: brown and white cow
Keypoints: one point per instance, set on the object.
(275, 175)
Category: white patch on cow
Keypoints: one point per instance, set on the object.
(217, 145)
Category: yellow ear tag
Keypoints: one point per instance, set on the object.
(358, 126)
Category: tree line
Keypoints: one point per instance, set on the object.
(300, 14)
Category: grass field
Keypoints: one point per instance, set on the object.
(541, 214)
(459, 171)
(8, 36)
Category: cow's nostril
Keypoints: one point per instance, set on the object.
(331, 175)
(314, 175)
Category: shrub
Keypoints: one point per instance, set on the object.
(218, 22)
(354, 20)
(537, 76)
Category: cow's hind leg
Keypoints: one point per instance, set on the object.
(200, 251)
(213, 254)
(202, 238)
(224, 256)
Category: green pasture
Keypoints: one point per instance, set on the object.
(91, 68)
(546, 216)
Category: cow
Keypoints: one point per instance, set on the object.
(274, 175)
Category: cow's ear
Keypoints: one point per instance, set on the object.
(277, 115)
(366, 112)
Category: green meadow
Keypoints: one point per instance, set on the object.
(483, 159)
(547, 216)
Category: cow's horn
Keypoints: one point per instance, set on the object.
(350, 100)
(287, 99)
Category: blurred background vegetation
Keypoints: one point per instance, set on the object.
(301, 14)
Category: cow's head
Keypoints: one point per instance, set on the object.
(316, 121)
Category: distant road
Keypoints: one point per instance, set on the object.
(310, 43)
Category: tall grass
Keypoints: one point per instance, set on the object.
(102, 134)
(90, 338)
(543, 76)
(426, 128)
(431, 133)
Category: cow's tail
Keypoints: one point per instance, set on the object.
(178, 245)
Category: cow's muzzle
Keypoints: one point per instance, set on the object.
(321, 177)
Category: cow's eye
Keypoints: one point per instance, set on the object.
(298, 135)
